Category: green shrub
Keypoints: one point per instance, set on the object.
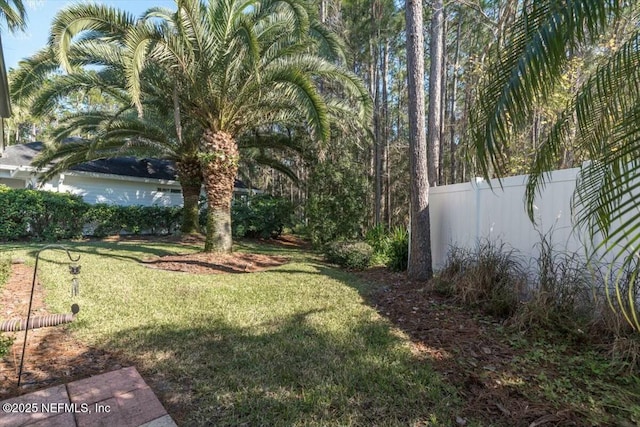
(300, 229)
(106, 220)
(378, 238)
(40, 215)
(337, 204)
(398, 249)
(102, 220)
(62, 217)
(261, 215)
(5, 345)
(352, 255)
(18, 209)
(43, 215)
(389, 248)
(162, 220)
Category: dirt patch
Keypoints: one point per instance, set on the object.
(468, 350)
(214, 263)
(52, 355)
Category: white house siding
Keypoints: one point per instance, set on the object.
(118, 192)
(13, 183)
(104, 188)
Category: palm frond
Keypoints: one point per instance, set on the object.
(15, 16)
(606, 109)
(31, 72)
(273, 140)
(59, 87)
(139, 40)
(87, 17)
(527, 68)
(331, 46)
(273, 163)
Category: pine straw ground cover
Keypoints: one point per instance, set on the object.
(303, 343)
(506, 377)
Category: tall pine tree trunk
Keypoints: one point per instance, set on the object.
(434, 130)
(385, 135)
(419, 267)
(452, 107)
(443, 102)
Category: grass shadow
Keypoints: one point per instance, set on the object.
(290, 373)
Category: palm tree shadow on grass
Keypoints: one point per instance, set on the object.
(288, 372)
(125, 252)
(115, 250)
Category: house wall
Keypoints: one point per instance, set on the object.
(463, 214)
(119, 192)
(112, 189)
(13, 183)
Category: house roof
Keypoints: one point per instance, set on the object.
(23, 155)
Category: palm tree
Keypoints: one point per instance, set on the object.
(235, 67)
(606, 111)
(242, 66)
(121, 132)
(161, 133)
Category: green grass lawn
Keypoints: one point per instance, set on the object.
(296, 345)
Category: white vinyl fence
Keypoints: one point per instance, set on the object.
(463, 214)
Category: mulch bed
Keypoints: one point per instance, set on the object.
(53, 355)
(467, 350)
(212, 263)
(286, 241)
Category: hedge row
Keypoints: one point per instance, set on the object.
(104, 220)
(41, 215)
(46, 216)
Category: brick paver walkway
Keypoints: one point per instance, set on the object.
(115, 399)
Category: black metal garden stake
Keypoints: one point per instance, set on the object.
(74, 269)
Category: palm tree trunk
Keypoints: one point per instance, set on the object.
(190, 176)
(220, 166)
(190, 211)
(218, 230)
